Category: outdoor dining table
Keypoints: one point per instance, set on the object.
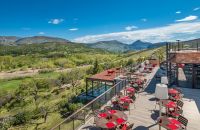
(169, 123)
(114, 118)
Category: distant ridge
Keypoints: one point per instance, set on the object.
(112, 45)
(139, 45)
(8, 40)
(117, 46)
(13, 40)
(39, 40)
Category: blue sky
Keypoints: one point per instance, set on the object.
(96, 20)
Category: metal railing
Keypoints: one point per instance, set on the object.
(77, 119)
(181, 46)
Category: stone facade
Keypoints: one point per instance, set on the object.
(185, 57)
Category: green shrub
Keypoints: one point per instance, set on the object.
(41, 83)
(45, 71)
(21, 118)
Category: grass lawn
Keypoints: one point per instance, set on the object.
(12, 85)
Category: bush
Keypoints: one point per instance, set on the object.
(41, 83)
(6, 123)
(20, 118)
(43, 71)
(75, 106)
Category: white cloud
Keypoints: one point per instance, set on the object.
(129, 28)
(56, 21)
(195, 9)
(188, 18)
(144, 20)
(178, 12)
(170, 32)
(73, 29)
(41, 33)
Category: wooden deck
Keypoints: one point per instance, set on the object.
(144, 115)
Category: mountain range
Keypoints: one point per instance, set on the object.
(13, 40)
(112, 45)
(117, 46)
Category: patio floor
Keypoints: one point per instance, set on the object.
(144, 115)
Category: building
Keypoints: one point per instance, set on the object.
(183, 64)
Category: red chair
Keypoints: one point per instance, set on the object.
(183, 121)
(154, 65)
(125, 106)
(176, 113)
(127, 126)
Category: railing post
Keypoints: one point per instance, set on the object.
(73, 124)
(84, 116)
(105, 90)
(59, 127)
(115, 90)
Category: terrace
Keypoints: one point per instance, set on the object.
(143, 109)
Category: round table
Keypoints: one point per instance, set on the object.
(116, 118)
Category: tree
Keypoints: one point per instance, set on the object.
(160, 55)
(72, 77)
(44, 110)
(140, 59)
(96, 67)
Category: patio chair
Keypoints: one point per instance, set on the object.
(180, 92)
(183, 121)
(180, 104)
(130, 126)
(178, 89)
(126, 126)
(176, 113)
(125, 106)
(119, 94)
(96, 112)
(107, 108)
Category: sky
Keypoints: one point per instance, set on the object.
(90, 21)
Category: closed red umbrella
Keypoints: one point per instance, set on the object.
(130, 89)
(110, 125)
(102, 115)
(120, 121)
(173, 91)
(173, 127)
(112, 111)
(171, 104)
(174, 121)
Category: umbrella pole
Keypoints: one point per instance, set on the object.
(159, 114)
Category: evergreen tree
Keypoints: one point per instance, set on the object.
(96, 67)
